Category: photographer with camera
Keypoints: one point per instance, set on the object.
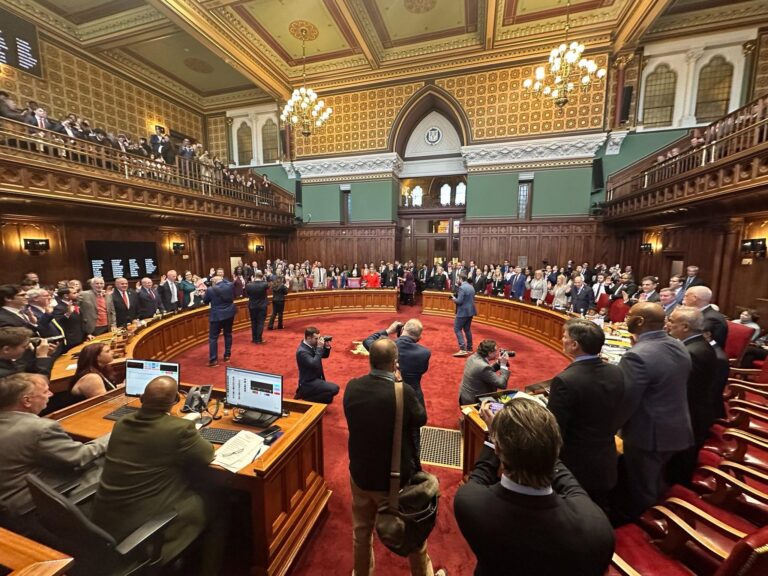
(309, 357)
(485, 371)
(15, 342)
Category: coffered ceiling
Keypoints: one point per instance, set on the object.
(205, 49)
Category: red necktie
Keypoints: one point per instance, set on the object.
(41, 122)
(77, 309)
(125, 299)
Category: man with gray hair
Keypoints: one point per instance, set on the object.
(686, 324)
(97, 310)
(35, 445)
(716, 324)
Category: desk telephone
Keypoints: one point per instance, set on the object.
(197, 398)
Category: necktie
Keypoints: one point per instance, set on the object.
(77, 309)
(41, 123)
(30, 316)
(151, 293)
(125, 299)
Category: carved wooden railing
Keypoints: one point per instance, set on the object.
(741, 132)
(37, 160)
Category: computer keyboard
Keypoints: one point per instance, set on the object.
(120, 412)
(217, 435)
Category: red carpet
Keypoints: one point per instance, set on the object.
(329, 550)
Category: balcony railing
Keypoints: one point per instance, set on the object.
(732, 135)
(206, 180)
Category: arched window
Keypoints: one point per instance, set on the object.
(417, 195)
(445, 195)
(461, 194)
(269, 142)
(714, 90)
(244, 144)
(659, 101)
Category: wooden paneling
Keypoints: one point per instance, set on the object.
(556, 241)
(30, 558)
(340, 245)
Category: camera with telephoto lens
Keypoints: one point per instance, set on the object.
(509, 353)
(399, 329)
(327, 338)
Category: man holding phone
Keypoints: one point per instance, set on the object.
(485, 371)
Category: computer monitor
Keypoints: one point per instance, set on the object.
(139, 373)
(260, 394)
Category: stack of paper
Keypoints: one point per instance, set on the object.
(239, 451)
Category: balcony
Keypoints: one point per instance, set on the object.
(48, 168)
(724, 167)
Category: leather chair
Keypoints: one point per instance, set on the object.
(94, 550)
(739, 336)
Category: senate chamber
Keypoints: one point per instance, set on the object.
(319, 287)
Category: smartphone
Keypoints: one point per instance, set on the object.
(495, 407)
(269, 431)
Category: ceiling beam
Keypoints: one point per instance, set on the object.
(220, 39)
(639, 17)
(490, 24)
(357, 32)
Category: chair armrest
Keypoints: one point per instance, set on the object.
(623, 567)
(151, 528)
(691, 514)
(83, 494)
(727, 485)
(742, 469)
(679, 532)
(64, 488)
(745, 371)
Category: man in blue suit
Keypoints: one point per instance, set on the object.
(517, 284)
(220, 295)
(655, 420)
(465, 311)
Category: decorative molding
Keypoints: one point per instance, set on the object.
(50, 20)
(715, 18)
(615, 140)
(567, 148)
(389, 163)
(126, 21)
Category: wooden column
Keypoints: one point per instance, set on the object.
(730, 259)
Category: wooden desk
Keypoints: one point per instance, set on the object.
(543, 325)
(29, 558)
(286, 485)
(169, 337)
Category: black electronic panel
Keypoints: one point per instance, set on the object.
(19, 45)
(131, 260)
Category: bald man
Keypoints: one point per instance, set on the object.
(655, 420)
(716, 324)
(151, 463)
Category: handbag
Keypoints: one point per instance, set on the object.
(406, 519)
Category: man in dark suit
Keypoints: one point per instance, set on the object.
(585, 398)
(692, 278)
(667, 300)
(685, 324)
(257, 306)
(125, 303)
(465, 311)
(647, 292)
(14, 345)
(624, 289)
(538, 514)
(309, 356)
(700, 297)
(169, 290)
(221, 296)
(13, 303)
(517, 284)
(151, 464)
(369, 408)
(582, 297)
(149, 302)
(67, 318)
(654, 415)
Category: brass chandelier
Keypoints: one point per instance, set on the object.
(304, 110)
(566, 72)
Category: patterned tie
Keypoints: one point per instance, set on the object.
(125, 298)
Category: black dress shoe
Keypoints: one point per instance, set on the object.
(213, 363)
(226, 357)
(270, 328)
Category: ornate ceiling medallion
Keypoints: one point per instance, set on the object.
(303, 30)
(419, 6)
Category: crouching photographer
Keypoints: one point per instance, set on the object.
(485, 371)
(313, 386)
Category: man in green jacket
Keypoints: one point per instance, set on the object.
(152, 462)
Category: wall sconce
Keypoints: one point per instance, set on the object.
(754, 246)
(36, 246)
(646, 248)
(178, 247)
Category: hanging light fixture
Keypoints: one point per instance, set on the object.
(304, 110)
(566, 72)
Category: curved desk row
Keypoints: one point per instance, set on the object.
(169, 337)
(543, 325)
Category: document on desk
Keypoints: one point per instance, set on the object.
(239, 451)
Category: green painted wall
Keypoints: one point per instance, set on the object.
(637, 145)
(564, 192)
(374, 200)
(323, 202)
(276, 173)
(492, 195)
